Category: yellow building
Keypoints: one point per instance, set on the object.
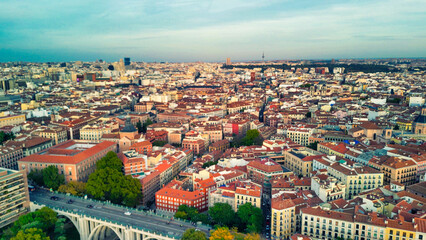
(400, 230)
(404, 125)
(332, 148)
(398, 170)
(31, 105)
(12, 120)
(299, 161)
(248, 195)
(283, 218)
(57, 134)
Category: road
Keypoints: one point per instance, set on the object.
(115, 213)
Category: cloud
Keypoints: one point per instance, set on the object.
(211, 30)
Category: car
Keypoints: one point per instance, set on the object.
(55, 198)
(89, 206)
(127, 213)
(70, 201)
(181, 225)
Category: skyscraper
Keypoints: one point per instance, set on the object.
(228, 61)
(126, 61)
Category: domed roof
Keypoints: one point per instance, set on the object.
(420, 119)
(129, 126)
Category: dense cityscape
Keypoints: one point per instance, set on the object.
(286, 149)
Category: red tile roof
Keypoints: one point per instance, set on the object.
(47, 157)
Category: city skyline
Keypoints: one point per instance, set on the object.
(210, 31)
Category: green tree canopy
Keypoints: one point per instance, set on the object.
(222, 214)
(52, 178)
(6, 136)
(191, 234)
(110, 184)
(31, 234)
(159, 143)
(44, 218)
(75, 188)
(110, 160)
(36, 176)
(139, 126)
(251, 216)
(252, 137)
(191, 213)
(181, 215)
(146, 124)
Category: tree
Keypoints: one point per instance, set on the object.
(146, 124)
(6, 136)
(110, 184)
(186, 212)
(221, 233)
(159, 143)
(31, 234)
(396, 127)
(308, 115)
(139, 126)
(181, 215)
(52, 178)
(313, 145)
(252, 236)
(110, 160)
(36, 176)
(75, 188)
(60, 228)
(251, 216)
(44, 218)
(209, 163)
(222, 214)
(191, 234)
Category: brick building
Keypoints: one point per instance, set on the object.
(258, 170)
(75, 159)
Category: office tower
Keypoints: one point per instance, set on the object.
(14, 197)
(126, 61)
(228, 61)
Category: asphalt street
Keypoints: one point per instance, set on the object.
(113, 213)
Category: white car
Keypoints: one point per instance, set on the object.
(127, 213)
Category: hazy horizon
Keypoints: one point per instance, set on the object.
(210, 31)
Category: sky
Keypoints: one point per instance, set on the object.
(210, 30)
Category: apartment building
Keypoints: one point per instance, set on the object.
(283, 218)
(9, 157)
(323, 224)
(300, 161)
(168, 200)
(327, 188)
(399, 170)
(57, 134)
(248, 194)
(12, 120)
(259, 170)
(75, 159)
(299, 135)
(196, 145)
(14, 197)
(356, 179)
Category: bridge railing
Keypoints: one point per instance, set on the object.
(107, 220)
(107, 203)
